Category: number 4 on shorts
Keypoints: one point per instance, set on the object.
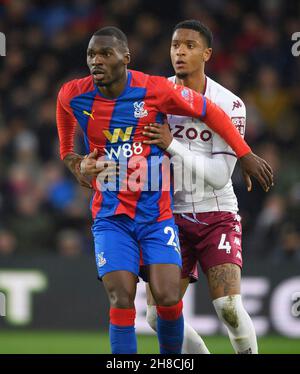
(223, 244)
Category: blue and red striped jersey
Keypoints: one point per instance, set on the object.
(115, 126)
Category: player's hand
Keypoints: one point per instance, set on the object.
(107, 170)
(72, 161)
(160, 135)
(254, 166)
(91, 166)
(81, 179)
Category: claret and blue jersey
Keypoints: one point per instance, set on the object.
(115, 126)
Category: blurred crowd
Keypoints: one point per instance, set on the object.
(42, 209)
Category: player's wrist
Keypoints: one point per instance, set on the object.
(244, 152)
(72, 161)
(82, 165)
(174, 147)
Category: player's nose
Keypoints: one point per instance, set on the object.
(97, 60)
(181, 50)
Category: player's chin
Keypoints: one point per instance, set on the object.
(181, 74)
(100, 82)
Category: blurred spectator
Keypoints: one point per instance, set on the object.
(60, 192)
(288, 248)
(271, 100)
(7, 243)
(33, 228)
(268, 223)
(69, 243)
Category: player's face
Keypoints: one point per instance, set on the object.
(189, 52)
(107, 59)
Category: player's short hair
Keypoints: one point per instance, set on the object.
(113, 31)
(193, 24)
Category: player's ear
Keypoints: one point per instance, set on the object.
(207, 54)
(126, 58)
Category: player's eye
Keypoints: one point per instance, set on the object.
(91, 54)
(190, 46)
(175, 45)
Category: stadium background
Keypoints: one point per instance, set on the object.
(45, 235)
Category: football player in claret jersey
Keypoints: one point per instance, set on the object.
(210, 230)
(112, 105)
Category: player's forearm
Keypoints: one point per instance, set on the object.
(218, 121)
(72, 162)
(214, 171)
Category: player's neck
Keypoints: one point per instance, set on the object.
(116, 88)
(195, 82)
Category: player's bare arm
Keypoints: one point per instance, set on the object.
(252, 165)
(89, 166)
(72, 161)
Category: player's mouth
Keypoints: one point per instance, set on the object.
(180, 64)
(98, 74)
